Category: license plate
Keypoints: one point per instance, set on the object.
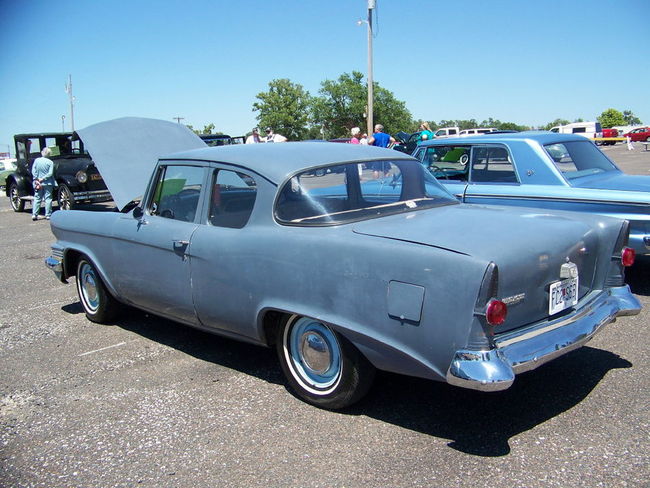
(562, 295)
(95, 177)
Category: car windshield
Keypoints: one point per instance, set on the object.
(351, 192)
(577, 158)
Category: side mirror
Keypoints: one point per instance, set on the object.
(138, 213)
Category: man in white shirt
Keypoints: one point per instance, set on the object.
(271, 137)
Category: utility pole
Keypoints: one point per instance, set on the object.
(68, 90)
(369, 118)
(178, 119)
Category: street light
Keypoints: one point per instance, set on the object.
(369, 117)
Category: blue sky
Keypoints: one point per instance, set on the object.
(521, 61)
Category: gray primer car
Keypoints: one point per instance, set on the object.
(300, 246)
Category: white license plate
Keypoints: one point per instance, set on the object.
(562, 295)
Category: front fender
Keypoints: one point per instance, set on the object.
(23, 184)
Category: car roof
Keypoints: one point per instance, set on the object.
(42, 134)
(542, 137)
(278, 161)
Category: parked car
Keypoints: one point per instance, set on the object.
(7, 166)
(641, 134)
(590, 130)
(541, 169)
(476, 132)
(343, 273)
(444, 132)
(76, 175)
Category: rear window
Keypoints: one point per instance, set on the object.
(358, 191)
(576, 159)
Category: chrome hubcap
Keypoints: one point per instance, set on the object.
(315, 352)
(89, 287)
(314, 355)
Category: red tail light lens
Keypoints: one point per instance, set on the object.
(627, 256)
(496, 312)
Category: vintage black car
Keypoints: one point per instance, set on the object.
(77, 178)
(221, 139)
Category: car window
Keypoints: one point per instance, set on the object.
(575, 159)
(177, 192)
(358, 191)
(232, 199)
(447, 162)
(492, 164)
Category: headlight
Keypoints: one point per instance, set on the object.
(81, 176)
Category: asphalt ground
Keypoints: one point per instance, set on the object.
(147, 402)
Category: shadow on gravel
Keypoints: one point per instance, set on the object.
(482, 423)
(476, 423)
(246, 358)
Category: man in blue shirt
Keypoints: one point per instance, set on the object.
(43, 180)
(381, 139)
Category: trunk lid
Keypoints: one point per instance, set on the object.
(529, 246)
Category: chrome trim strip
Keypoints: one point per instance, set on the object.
(554, 199)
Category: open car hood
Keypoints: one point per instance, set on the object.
(126, 151)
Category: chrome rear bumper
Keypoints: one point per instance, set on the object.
(524, 350)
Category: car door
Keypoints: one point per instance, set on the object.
(227, 258)
(492, 174)
(152, 253)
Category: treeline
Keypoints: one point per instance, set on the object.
(341, 104)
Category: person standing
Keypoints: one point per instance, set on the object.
(355, 131)
(425, 132)
(271, 137)
(43, 181)
(254, 138)
(364, 139)
(380, 138)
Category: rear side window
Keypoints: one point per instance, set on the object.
(576, 158)
(492, 164)
(232, 199)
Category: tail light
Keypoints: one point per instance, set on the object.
(627, 256)
(496, 312)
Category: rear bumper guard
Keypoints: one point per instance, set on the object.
(520, 351)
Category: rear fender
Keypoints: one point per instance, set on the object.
(383, 352)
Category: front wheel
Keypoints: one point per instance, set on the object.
(17, 203)
(65, 198)
(97, 302)
(322, 367)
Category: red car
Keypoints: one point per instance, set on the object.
(640, 134)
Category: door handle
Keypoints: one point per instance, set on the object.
(180, 243)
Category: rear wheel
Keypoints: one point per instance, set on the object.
(322, 367)
(17, 203)
(97, 302)
(65, 198)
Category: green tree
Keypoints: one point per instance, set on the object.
(630, 118)
(342, 105)
(610, 118)
(285, 107)
(555, 123)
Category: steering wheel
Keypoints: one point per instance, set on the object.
(464, 159)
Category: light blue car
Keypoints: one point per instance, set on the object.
(543, 170)
(344, 258)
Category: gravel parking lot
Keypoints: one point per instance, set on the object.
(148, 402)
